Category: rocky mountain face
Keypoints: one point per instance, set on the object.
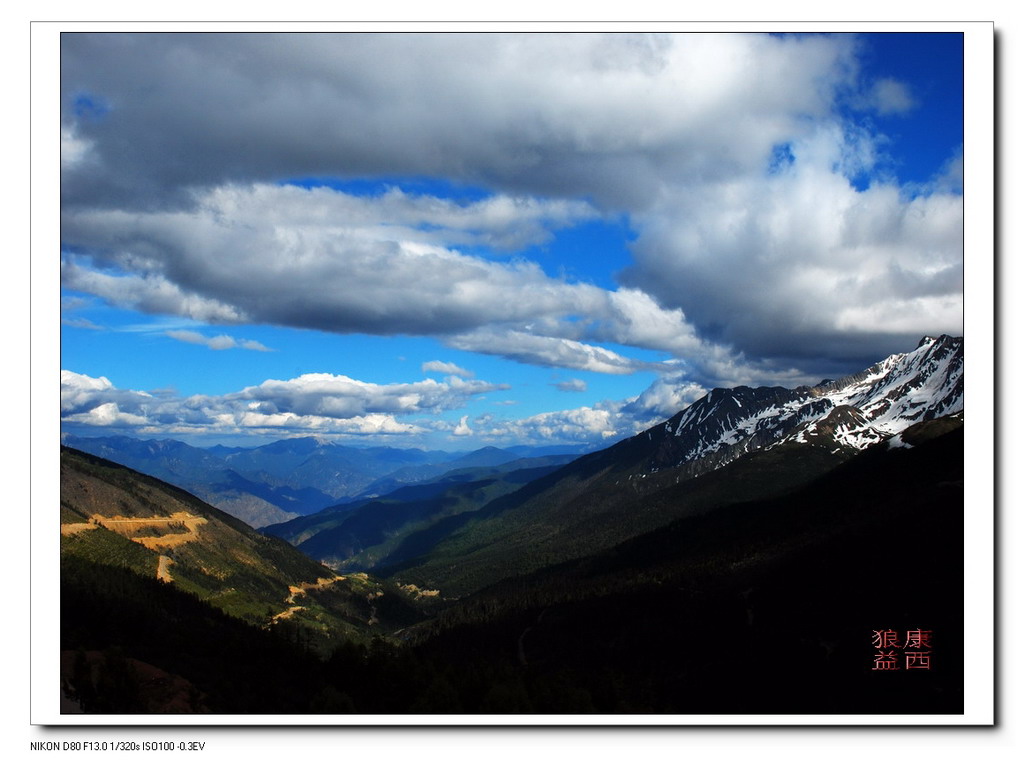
(850, 413)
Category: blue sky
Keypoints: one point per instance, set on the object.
(460, 240)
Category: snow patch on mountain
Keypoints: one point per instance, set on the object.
(855, 412)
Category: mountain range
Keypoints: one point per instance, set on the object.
(733, 558)
(365, 534)
(289, 478)
(730, 446)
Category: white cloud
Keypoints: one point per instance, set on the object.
(607, 420)
(571, 385)
(284, 255)
(74, 150)
(949, 180)
(544, 351)
(338, 405)
(264, 423)
(889, 96)
(81, 394)
(253, 345)
(607, 116)
(580, 425)
(81, 322)
(149, 293)
(664, 398)
(437, 366)
(463, 429)
(321, 403)
(325, 404)
(730, 155)
(324, 394)
(498, 221)
(787, 265)
(219, 342)
(107, 415)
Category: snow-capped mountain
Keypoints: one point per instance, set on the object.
(850, 413)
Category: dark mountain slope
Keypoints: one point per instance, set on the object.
(134, 645)
(364, 534)
(582, 509)
(762, 607)
(748, 443)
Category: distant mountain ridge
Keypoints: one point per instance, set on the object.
(730, 446)
(362, 534)
(850, 413)
(285, 479)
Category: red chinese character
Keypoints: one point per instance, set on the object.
(885, 660)
(918, 638)
(885, 638)
(919, 660)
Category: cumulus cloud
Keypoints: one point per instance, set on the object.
(284, 255)
(280, 255)
(802, 263)
(106, 415)
(463, 429)
(755, 256)
(582, 115)
(316, 402)
(590, 425)
(338, 405)
(325, 394)
(278, 423)
(80, 394)
(580, 425)
(602, 422)
(664, 398)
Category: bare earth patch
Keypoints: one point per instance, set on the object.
(162, 566)
(125, 526)
(128, 525)
(286, 613)
(301, 589)
(70, 529)
(416, 593)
